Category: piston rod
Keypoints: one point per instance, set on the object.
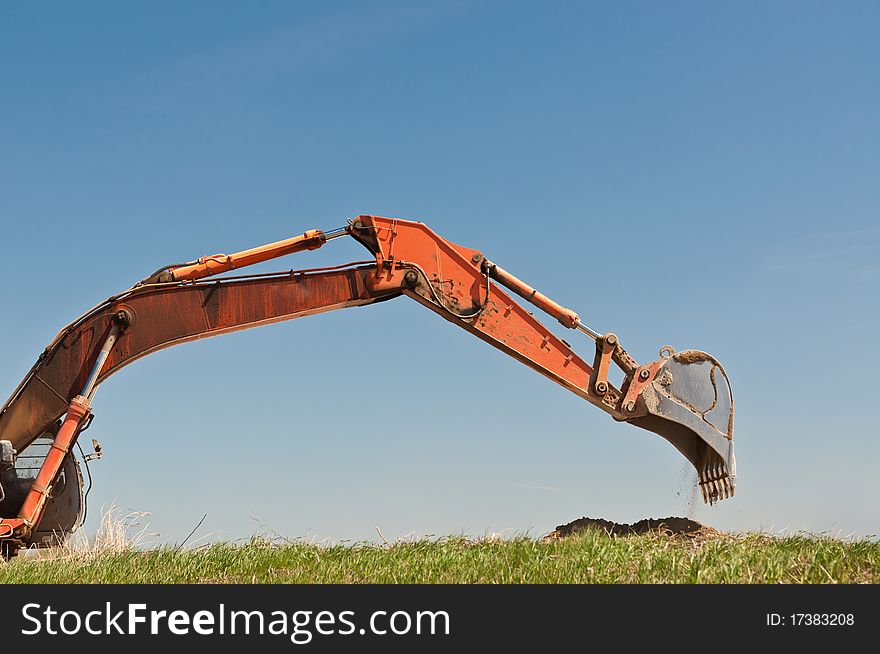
(90, 387)
(566, 317)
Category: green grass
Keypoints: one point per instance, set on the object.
(589, 557)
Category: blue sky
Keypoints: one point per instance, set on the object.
(699, 174)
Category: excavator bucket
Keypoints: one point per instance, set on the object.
(690, 404)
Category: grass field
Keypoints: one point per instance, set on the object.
(588, 557)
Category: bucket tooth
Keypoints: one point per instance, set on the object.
(710, 488)
(719, 479)
(714, 485)
(716, 480)
(702, 485)
(727, 491)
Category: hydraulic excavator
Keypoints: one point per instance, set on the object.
(684, 396)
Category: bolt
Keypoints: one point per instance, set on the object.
(122, 318)
(644, 374)
(165, 277)
(410, 278)
(601, 388)
(357, 224)
(477, 258)
(630, 406)
(611, 339)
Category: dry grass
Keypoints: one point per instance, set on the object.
(121, 531)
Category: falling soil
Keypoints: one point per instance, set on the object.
(679, 527)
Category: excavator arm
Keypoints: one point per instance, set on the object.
(685, 397)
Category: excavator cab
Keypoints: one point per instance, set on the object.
(65, 504)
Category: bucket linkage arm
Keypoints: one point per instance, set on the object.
(685, 397)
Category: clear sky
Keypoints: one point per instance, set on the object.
(700, 174)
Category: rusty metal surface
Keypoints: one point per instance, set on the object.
(166, 315)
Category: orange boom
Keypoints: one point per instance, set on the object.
(684, 396)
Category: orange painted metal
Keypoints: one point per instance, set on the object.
(177, 305)
(220, 263)
(566, 317)
(605, 347)
(452, 283)
(9, 526)
(642, 376)
(452, 280)
(35, 501)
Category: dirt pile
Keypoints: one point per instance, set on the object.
(682, 527)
